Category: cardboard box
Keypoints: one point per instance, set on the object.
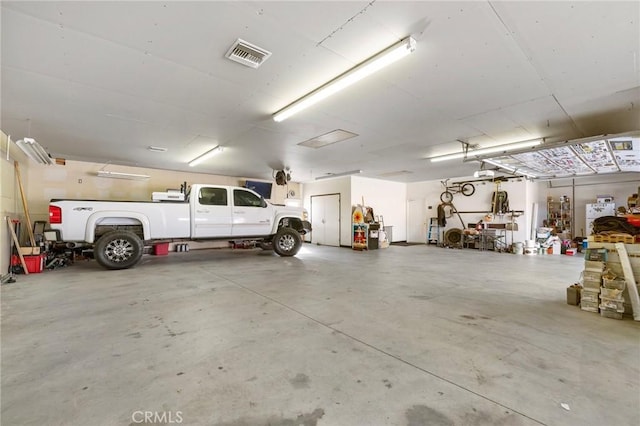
(29, 251)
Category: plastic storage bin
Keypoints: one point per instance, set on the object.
(590, 295)
(588, 306)
(592, 276)
(161, 249)
(599, 255)
(591, 284)
(615, 283)
(607, 313)
(612, 293)
(35, 263)
(613, 304)
(590, 265)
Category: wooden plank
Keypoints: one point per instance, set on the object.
(631, 281)
(24, 205)
(614, 238)
(29, 251)
(17, 243)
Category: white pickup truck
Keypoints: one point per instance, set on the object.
(118, 230)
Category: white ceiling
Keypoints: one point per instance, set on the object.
(102, 81)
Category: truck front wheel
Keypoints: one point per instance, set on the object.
(118, 250)
(287, 242)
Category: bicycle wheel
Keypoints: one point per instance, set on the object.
(467, 189)
(447, 197)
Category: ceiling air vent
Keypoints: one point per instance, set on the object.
(333, 136)
(247, 54)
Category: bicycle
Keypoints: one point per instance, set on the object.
(465, 188)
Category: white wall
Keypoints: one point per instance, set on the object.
(533, 197)
(340, 186)
(78, 180)
(10, 200)
(388, 199)
(585, 191)
(474, 207)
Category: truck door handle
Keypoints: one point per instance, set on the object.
(202, 211)
(240, 212)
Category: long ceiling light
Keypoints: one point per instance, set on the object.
(34, 151)
(509, 168)
(332, 175)
(119, 175)
(380, 60)
(485, 151)
(218, 149)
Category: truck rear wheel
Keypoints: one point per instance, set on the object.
(287, 242)
(118, 250)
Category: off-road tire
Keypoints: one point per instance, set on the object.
(118, 250)
(287, 242)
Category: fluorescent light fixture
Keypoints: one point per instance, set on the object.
(447, 157)
(485, 151)
(332, 175)
(380, 60)
(34, 151)
(118, 175)
(218, 149)
(502, 166)
(509, 168)
(396, 173)
(157, 148)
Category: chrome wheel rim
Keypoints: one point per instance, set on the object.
(286, 243)
(119, 250)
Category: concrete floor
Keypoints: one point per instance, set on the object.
(413, 335)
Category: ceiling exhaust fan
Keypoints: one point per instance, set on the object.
(282, 177)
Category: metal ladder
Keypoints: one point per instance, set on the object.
(433, 233)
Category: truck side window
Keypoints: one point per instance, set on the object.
(246, 199)
(213, 196)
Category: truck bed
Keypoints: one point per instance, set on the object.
(165, 220)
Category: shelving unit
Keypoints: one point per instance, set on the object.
(559, 217)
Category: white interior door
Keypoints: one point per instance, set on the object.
(325, 220)
(416, 221)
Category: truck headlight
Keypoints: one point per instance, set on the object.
(305, 214)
